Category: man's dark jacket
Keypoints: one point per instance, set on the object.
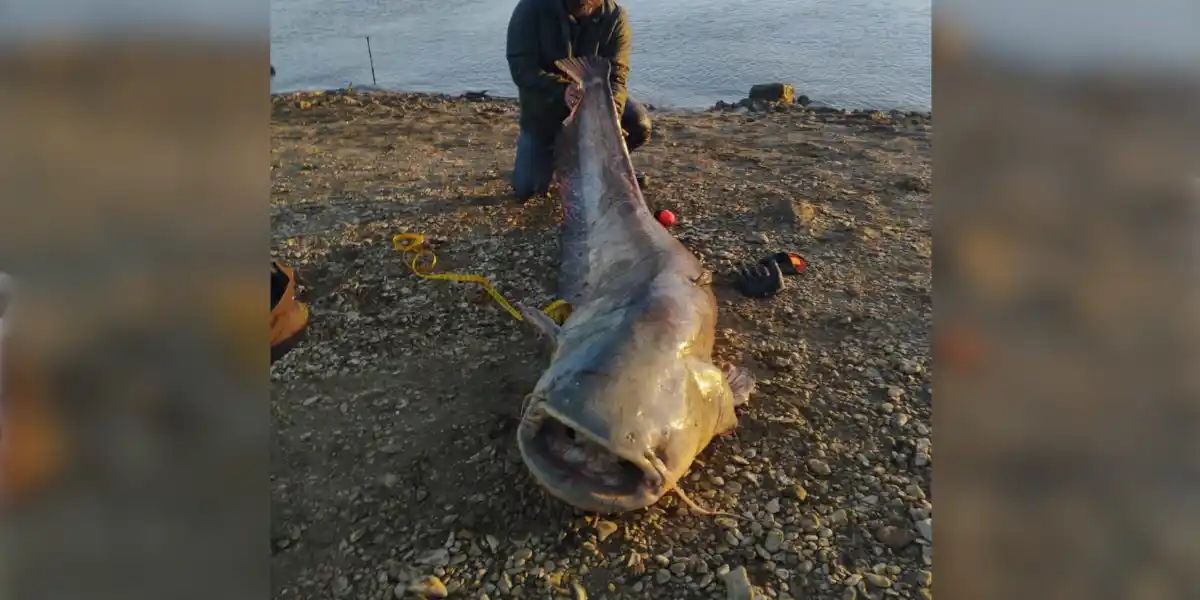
(541, 32)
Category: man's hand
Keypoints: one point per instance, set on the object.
(574, 95)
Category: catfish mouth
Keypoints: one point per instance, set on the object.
(583, 471)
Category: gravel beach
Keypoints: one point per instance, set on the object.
(395, 467)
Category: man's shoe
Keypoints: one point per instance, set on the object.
(289, 317)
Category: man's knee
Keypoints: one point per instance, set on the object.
(635, 120)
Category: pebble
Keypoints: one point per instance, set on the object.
(819, 467)
(850, 594)
(837, 517)
(798, 492)
(894, 537)
(341, 585)
(922, 453)
(923, 578)
(925, 528)
(895, 392)
(430, 587)
(773, 506)
(899, 420)
(439, 556)
(605, 529)
(737, 585)
(662, 576)
(811, 522)
(879, 581)
(774, 541)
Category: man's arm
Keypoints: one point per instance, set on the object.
(618, 47)
(522, 53)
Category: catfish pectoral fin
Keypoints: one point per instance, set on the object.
(741, 383)
(540, 321)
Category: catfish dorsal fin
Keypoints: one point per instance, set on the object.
(587, 71)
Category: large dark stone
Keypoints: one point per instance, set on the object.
(773, 92)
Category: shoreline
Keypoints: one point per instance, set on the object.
(720, 105)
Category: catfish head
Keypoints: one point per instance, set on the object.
(622, 412)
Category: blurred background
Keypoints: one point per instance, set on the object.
(1067, 300)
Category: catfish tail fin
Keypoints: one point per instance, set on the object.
(587, 71)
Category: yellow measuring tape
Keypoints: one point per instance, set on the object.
(422, 260)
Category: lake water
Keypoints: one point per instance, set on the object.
(686, 53)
